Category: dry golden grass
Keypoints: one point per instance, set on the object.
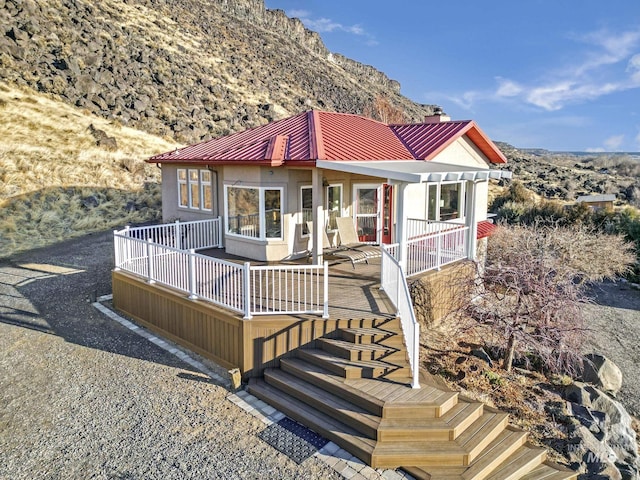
(55, 183)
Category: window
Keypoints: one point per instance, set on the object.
(194, 189)
(306, 207)
(334, 205)
(254, 212)
(445, 201)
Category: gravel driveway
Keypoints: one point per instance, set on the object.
(614, 320)
(83, 397)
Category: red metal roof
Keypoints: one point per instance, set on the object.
(485, 229)
(316, 135)
(426, 140)
(352, 137)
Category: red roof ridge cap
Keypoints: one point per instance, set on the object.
(277, 148)
(315, 135)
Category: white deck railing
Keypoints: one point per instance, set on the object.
(432, 245)
(196, 235)
(394, 283)
(244, 288)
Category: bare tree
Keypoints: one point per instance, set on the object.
(381, 109)
(533, 286)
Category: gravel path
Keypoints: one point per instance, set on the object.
(83, 397)
(614, 321)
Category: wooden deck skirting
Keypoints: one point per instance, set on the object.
(216, 333)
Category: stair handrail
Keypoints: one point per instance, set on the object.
(393, 282)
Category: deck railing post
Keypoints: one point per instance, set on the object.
(176, 235)
(192, 275)
(117, 251)
(325, 310)
(219, 231)
(247, 290)
(400, 272)
(439, 251)
(127, 251)
(415, 382)
(148, 245)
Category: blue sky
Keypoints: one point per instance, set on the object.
(557, 74)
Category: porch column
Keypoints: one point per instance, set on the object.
(401, 222)
(472, 221)
(318, 215)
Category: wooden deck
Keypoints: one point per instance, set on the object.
(353, 292)
(252, 345)
(346, 377)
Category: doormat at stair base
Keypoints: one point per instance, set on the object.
(293, 439)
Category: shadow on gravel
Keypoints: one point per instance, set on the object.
(198, 378)
(49, 290)
(616, 295)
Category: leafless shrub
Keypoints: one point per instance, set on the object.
(531, 291)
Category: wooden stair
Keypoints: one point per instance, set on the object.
(353, 387)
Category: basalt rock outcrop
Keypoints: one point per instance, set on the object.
(189, 69)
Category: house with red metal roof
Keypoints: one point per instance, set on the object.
(336, 347)
(394, 181)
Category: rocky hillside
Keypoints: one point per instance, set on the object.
(187, 69)
(565, 176)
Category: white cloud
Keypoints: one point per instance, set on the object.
(594, 150)
(609, 65)
(327, 25)
(614, 143)
(611, 48)
(508, 88)
(466, 100)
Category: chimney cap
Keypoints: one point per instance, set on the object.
(438, 116)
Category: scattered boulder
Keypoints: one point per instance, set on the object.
(90, 202)
(577, 393)
(482, 355)
(102, 139)
(602, 372)
(601, 441)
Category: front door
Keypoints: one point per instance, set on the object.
(367, 211)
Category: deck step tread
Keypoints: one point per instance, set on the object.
(549, 471)
(336, 384)
(349, 368)
(330, 428)
(521, 462)
(459, 413)
(363, 347)
(363, 335)
(488, 424)
(419, 428)
(507, 442)
(499, 450)
(324, 401)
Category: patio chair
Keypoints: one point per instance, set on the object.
(354, 256)
(349, 239)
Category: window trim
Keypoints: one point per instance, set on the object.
(261, 211)
(189, 183)
(462, 200)
(302, 220)
(341, 209)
